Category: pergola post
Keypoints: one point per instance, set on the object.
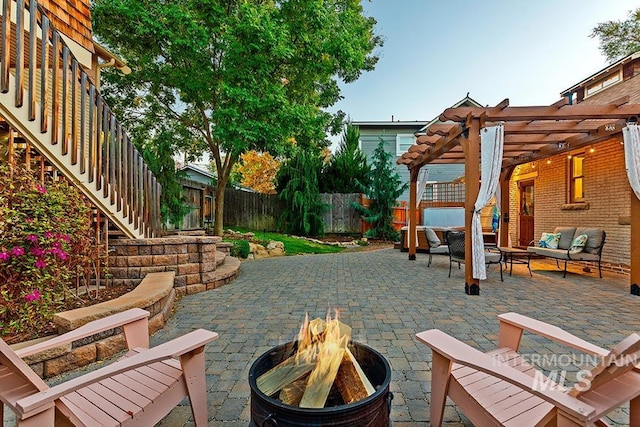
(472, 181)
(505, 176)
(411, 232)
(635, 245)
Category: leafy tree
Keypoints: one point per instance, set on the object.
(619, 38)
(230, 76)
(157, 154)
(385, 188)
(348, 171)
(300, 192)
(257, 171)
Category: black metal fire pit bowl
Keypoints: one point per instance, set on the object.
(372, 411)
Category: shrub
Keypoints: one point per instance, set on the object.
(240, 249)
(384, 189)
(46, 238)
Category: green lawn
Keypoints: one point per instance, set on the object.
(292, 245)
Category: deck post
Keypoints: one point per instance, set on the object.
(471, 146)
(635, 245)
(411, 232)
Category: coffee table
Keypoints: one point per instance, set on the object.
(516, 256)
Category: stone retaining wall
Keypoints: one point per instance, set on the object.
(193, 258)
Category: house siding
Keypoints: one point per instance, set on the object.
(607, 192)
(369, 140)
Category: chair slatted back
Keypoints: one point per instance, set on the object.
(620, 360)
(17, 379)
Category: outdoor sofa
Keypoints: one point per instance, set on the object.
(571, 245)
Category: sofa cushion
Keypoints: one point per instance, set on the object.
(594, 240)
(578, 244)
(567, 235)
(432, 238)
(549, 240)
(551, 253)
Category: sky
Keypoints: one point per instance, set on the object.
(437, 51)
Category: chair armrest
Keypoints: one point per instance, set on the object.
(91, 328)
(193, 341)
(551, 332)
(461, 353)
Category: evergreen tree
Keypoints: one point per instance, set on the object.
(384, 190)
(299, 190)
(348, 171)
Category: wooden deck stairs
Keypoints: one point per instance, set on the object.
(51, 103)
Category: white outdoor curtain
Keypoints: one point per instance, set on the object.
(491, 143)
(422, 184)
(631, 135)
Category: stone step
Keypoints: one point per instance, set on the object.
(226, 272)
(220, 258)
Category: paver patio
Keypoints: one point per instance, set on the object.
(387, 299)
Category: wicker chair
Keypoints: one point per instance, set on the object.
(455, 240)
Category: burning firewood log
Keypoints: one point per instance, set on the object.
(322, 359)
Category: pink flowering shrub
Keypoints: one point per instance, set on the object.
(46, 238)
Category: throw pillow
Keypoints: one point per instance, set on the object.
(549, 240)
(578, 244)
(432, 238)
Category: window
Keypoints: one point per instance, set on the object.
(576, 178)
(604, 83)
(403, 142)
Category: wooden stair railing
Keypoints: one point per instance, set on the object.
(46, 95)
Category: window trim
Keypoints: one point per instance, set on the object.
(399, 151)
(603, 83)
(571, 178)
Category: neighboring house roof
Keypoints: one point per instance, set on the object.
(198, 170)
(467, 101)
(72, 18)
(211, 175)
(374, 124)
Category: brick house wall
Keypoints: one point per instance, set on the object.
(607, 194)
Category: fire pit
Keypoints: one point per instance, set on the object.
(372, 411)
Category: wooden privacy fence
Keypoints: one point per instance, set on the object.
(262, 211)
(342, 217)
(255, 211)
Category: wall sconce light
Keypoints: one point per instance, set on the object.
(592, 150)
(569, 156)
(548, 161)
(533, 165)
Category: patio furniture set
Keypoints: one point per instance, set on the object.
(565, 243)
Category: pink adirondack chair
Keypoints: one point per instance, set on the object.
(138, 389)
(500, 388)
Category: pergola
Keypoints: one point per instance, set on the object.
(530, 133)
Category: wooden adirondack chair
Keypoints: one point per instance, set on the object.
(500, 388)
(139, 389)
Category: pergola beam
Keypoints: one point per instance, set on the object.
(566, 112)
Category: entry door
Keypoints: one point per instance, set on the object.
(526, 213)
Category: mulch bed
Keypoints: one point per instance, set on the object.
(72, 302)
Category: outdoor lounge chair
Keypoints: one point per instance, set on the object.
(139, 389)
(455, 240)
(501, 388)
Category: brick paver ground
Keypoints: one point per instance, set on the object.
(387, 299)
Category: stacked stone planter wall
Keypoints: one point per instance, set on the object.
(182, 265)
(193, 258)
